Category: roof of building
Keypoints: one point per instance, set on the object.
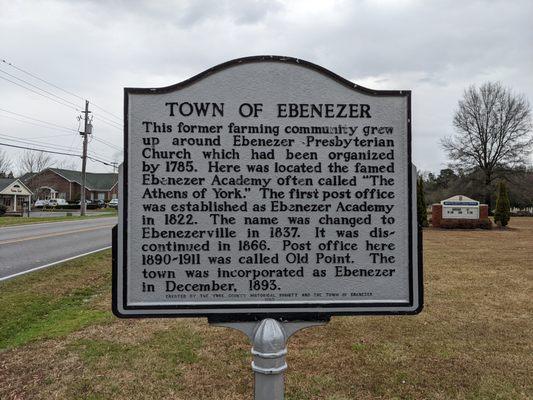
(93, 181)
(5, 182)
(27, 176)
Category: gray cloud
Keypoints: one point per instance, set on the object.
(435, 48)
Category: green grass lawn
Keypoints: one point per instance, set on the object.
(473, 341)
(33, 309)
(9, 221)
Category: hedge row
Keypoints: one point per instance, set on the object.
(71, 207)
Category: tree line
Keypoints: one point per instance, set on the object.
(30, 162)
(447, 183)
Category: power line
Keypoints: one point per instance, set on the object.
(107, 143)
(48, 145)
(111, 145)
(108, 122)
(37, 87)
(110, 164)
(38, 120)
(41, 150)
(58, 152)
(34, 142)
(99, 156)
(72, 141)
(59, 88)
(40, 79)
(40, 94)
(50, 137)
(91, 154)
(35, 124)
(107, 112)
(111, 125)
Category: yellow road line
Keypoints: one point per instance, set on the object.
(56, 234)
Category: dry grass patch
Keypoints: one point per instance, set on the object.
(472, 341)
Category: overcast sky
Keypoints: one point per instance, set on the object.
(95, 48)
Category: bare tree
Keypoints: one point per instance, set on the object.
(34, 161)
(493, 127)
(5, 164)
(67, 163)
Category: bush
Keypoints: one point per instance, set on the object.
(466, 224)
(422, 213)
(502, 215)
(3, 209)
(75, 207)
(69, 207)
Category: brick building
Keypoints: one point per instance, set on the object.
(55, 183)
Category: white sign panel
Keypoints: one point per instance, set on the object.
(460, 212)
(267, 186)
(460, 207)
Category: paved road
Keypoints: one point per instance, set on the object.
(29, 247)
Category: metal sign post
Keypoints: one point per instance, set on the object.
(269, 348)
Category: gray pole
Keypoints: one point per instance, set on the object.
(269, 351)
(269, 348)
(84, 159)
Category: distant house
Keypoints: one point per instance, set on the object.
(56, 183)
(13, 194)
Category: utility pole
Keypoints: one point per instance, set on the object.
(84, 157)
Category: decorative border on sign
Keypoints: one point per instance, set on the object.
(317, 310)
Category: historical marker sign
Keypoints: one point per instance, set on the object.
(267, 186)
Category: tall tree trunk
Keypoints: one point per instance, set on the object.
(488, 190)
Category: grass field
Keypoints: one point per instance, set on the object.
(473, 340)
(10, 221)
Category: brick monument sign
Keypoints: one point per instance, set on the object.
(459, 210)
